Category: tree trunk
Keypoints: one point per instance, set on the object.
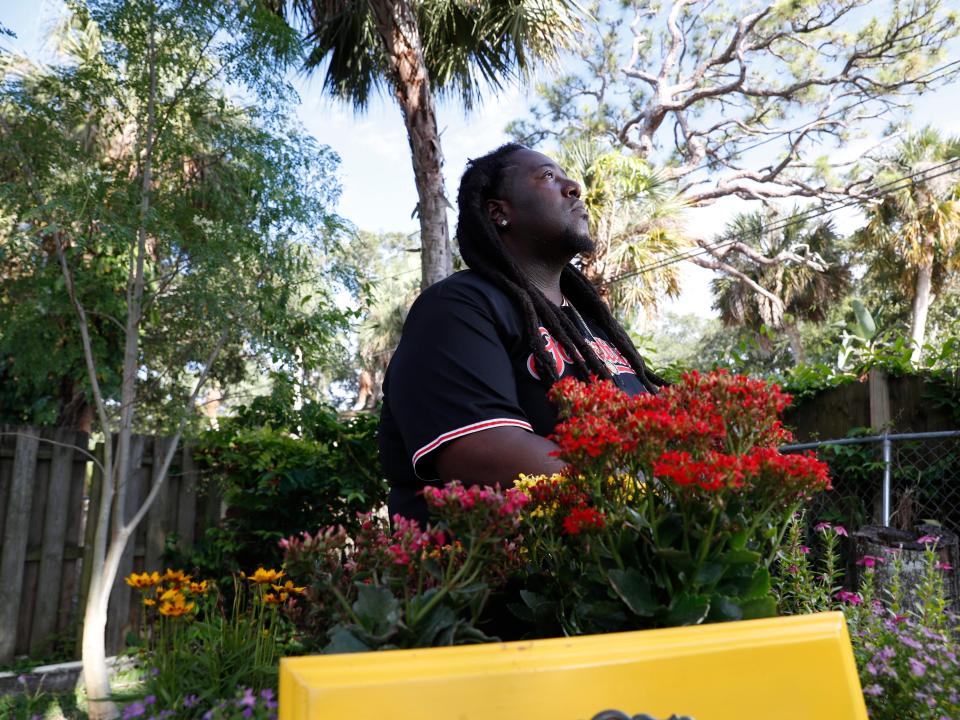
(796, 343)
(397, 26)
(922, 297)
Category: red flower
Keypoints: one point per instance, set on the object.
(583, 519)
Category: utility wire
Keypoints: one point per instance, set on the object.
(818, 211)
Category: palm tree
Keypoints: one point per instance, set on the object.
(415, 48)
(778, 295)
(635, 219)
(916, 228)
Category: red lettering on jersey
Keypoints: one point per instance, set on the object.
(608, 354)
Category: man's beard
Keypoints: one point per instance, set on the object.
(573, 242)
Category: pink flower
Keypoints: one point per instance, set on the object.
(925, 539)
(793, 569)
(804, 549)
(869, 561)
(849, 597)
(840, 530)
(822, 526)
(943, 566)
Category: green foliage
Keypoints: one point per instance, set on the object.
(906, 652)
(276, 484)
(236, 216)
(203, 656)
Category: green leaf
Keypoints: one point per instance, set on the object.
(759, 584)
(723, 609)
(740, 557)
(634, 589)
(376, 608)
(759, 608)
(344, 641)
(688, 609)
(440, 619)
(678, 558)
(635, 520)
(709, 573)
(738, 540)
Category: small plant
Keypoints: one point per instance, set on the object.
(408, 587)
(808, 579)
(907, 653)
(672, 510)
(198, 653)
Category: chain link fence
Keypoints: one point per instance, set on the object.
(898, 480)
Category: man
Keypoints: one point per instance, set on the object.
(465, 392)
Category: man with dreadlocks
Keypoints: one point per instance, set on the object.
(465, 393)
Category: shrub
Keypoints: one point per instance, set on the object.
(276, 485)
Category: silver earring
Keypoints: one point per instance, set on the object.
(503, 222)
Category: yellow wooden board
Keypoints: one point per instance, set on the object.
(789, 668)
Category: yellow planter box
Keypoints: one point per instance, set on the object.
(789, 668)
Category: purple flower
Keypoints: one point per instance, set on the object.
(190, 701)
(247, 712)
(150, 700)
(887, 653)
(266, 694)
(917, 667)
(873, 690)
(822, 526)
(910, 642)
(248, 700)
(134, 710)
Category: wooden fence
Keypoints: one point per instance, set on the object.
(49, 499)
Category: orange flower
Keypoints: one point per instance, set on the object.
(149, 602)
(143, 580)
(271, 599)
(288, 587)
(200, 588)
(175, 577)
(171, 594)
(263, 577)
(176, 607)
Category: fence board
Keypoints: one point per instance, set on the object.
(44, 625)
(73, 536)
(15, 534)
(187, 506)
(158, 522)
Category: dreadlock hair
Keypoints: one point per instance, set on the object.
(483, 251)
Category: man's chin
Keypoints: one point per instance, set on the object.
(579, 243)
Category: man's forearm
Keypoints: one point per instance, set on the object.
(497, 455)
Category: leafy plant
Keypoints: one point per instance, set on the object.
(408, 587)
(672, 511)
(276, 484)
(196, 653)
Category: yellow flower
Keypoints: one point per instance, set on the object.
(289, 587)
(171, 594)
(271, 599)
(263, 577)
(149, 601)
(175, 577)
(177, 607)
(143, 580)
(200, 588)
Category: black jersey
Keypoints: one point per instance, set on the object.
(463, 365)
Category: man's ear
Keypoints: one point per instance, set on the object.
(498, 212)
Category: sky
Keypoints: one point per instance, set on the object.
(378, 191)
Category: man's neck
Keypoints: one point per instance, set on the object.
(545, 277)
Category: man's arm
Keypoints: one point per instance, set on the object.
(497, 455)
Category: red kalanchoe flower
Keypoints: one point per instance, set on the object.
(583, 519)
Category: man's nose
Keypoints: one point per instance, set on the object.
(571, 189)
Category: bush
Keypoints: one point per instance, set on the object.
(276, 484)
